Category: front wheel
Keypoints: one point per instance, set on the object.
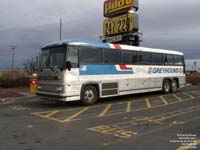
(89, 95)
(166, 86)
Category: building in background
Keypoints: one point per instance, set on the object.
(192, 64)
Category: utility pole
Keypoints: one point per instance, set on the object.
(13, 55)
(60, 29)
(195, 65)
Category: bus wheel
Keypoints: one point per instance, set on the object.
(166, 86)
(89, 95)
(174, 86)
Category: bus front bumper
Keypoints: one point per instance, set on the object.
(59, 97)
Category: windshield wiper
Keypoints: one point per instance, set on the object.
(51, 67)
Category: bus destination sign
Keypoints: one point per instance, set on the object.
(121, 24)
(113, 8)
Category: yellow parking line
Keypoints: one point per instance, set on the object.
(45, 113)
(187, 147)
(148, 103)
(178, 98)
(105, 110)
(198, 91)
(188, 95)
(54, 119)
(52, 113)
(128, 109)
(164, 100)
(195, 92)
(76, 114)
(8, 102)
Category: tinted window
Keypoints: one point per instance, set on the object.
(112, 56)
(178, 60)
(90, 55)
(144, 58)
(156, 58)
(169, 59)
(129, 57)
(57, 57)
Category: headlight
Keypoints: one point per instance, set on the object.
(39, 87)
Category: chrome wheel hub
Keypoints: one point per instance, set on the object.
(89, 95)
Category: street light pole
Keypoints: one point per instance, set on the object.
(195, 65)
(13, 55)
(60, 29)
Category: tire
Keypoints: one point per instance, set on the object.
(174, 86)
(166, 87)
(89, 95)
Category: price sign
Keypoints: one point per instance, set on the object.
(120, 24)
(114, 8)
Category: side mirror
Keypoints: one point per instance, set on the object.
(68, 65)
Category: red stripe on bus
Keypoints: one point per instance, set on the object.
(117, 46)
(124, 67)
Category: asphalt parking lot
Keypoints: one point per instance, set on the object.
(150, 121)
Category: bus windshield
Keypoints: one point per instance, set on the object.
(53, 58)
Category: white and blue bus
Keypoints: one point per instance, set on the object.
(87, 71)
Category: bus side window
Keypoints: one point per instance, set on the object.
(165, 59)
(156, 59)
(129, 57)
(144, 58)
(72, 56)
(112, 56)
(178, 60)
(169, 59)
(90, 55)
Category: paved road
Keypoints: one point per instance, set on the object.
(136, 122)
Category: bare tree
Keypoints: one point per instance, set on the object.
(30, 65)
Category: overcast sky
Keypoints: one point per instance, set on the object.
(28, 24)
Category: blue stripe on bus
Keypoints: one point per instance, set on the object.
(82, 42)
(101, 70)
(90, 43)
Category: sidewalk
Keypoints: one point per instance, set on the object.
(14, 92)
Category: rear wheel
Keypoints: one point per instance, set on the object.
(174, 86)
(166, 86)
(89, 95)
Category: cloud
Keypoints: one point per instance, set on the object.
(171, 25)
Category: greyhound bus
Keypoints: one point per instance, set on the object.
(87, 71)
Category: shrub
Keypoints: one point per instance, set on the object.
(11, 79)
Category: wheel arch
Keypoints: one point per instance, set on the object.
(95, 84)
(169, 79)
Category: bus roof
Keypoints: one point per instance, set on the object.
(108, 45)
